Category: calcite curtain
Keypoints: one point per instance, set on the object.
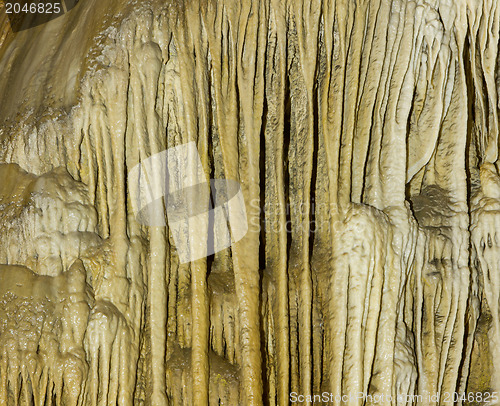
(364, 136)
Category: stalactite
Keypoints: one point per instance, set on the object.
(364, 136)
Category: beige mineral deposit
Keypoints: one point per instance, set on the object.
(250, 202)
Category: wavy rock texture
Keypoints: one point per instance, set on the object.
(364, 135)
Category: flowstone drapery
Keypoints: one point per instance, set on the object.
(364, 136)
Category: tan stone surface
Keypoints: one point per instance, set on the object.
(364, 135)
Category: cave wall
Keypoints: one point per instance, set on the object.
(364, 136)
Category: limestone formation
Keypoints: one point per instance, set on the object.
(364, 137)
